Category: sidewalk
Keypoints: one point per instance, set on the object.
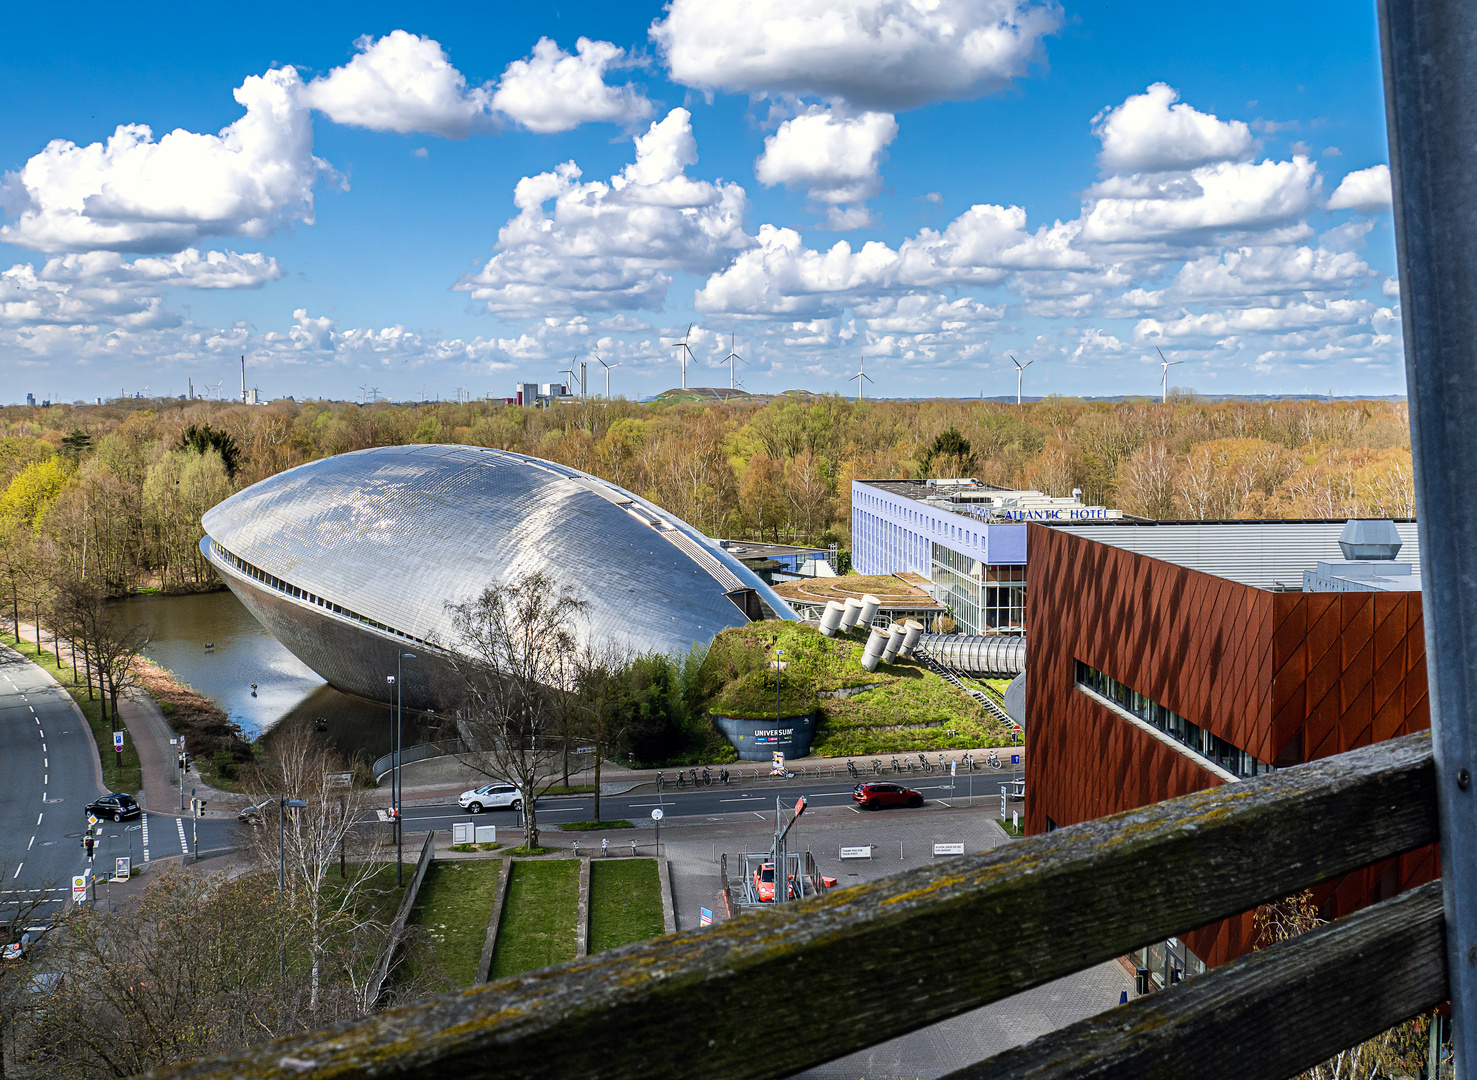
(142, 718)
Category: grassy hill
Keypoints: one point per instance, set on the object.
(900, 707)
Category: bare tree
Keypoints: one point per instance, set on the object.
(598, 673)
(514, 656)
(20, 910)
(316, 839)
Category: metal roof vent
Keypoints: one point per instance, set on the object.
(1369, 540)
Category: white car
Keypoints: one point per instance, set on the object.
(491, 797)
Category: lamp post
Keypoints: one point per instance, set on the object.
(283, 805)
(396, 783)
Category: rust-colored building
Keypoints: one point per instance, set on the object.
(1150, 678)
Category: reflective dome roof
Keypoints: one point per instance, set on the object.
(394, 534)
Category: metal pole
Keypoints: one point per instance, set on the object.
(399, 715)
(1430, 64)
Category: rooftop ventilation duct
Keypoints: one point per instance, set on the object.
(870, 604)
(1370, 540)
(914, 632)
(852, 613)
(873, 652)
(895, 634)
(831, 617)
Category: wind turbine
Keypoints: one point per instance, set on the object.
(1165, 365)
(1020, 370)
(685, 355)
(861, 387)
(731, 357)
(568, 371)
(607, 368)
(363, 393)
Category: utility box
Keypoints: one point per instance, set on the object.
(463, 832)
(486, 834)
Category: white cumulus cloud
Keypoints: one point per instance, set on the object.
(134, 194)
(874, 54)
(837, 158)
(1367, 191)
(1155, 132)
(983, 246)
(402, 82)
(1183, 206)
(100, 287)
(555, 91)
(612, 245)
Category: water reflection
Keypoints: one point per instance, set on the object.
(288, 692)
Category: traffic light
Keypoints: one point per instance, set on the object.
(197, 807)
(87, 843)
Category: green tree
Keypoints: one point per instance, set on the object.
(202, 437)
(949, 455)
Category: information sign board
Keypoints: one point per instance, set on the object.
(118, 741)
(704, 917)
(79, 889)
(123, 868)
(857, 852)
(1015, 759)
(948, 849)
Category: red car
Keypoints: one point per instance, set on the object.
(876, 796)
(764, 884)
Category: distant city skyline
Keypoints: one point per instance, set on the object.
(434, 201)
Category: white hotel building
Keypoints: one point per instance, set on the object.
(968, 539)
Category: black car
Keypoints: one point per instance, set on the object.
(115, 805)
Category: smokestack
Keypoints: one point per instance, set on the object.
(243, 380)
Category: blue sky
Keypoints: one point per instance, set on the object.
(923, 191)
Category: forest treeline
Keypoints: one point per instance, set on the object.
(113, 493)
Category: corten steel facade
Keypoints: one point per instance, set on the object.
(1286, 676)
(349, 559)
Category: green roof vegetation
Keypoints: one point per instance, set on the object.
(900, 707)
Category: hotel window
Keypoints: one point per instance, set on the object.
(1182, 730)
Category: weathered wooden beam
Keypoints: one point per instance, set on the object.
(832, 975)
(1266, 1016)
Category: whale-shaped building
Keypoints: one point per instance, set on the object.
(350, 559)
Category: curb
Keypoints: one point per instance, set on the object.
(489, 942)
(669, 913)
(582, 914)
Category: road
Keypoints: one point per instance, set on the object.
(51, 773)
(636, 806)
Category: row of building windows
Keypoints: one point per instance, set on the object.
(1211, 747)
(994, 605)
(274, 582)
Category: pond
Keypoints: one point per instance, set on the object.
(287, 692)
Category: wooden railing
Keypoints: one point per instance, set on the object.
(771, 993)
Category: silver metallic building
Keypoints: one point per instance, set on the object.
(350, 558)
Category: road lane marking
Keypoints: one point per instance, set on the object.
(853, 809)
(758, 815)
(17, 871)
(31, 844)
(144, 820)
(40, 816)
(183, 843)
(46, 761)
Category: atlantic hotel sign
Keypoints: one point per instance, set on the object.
(1065, 513)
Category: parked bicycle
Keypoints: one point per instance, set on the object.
(851, 768)
(724, 775)
(994, 760)
(895, 767)
(707, 776)
(876, 766)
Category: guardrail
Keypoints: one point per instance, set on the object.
(418, 752)
(1075, 897)
(396, 934)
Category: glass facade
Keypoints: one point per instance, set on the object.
(985, 599)
(1211, 747)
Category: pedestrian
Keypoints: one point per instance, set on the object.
(633, 849)
(604, 846)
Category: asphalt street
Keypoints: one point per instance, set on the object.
(636, 806)
(51, 774)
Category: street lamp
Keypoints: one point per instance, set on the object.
(396, 784)
(283, 805)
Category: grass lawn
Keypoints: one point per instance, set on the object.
(130, 778)
(538, 917)
(625, 902)
(453, 906)
(595, 826)
(378, 896)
